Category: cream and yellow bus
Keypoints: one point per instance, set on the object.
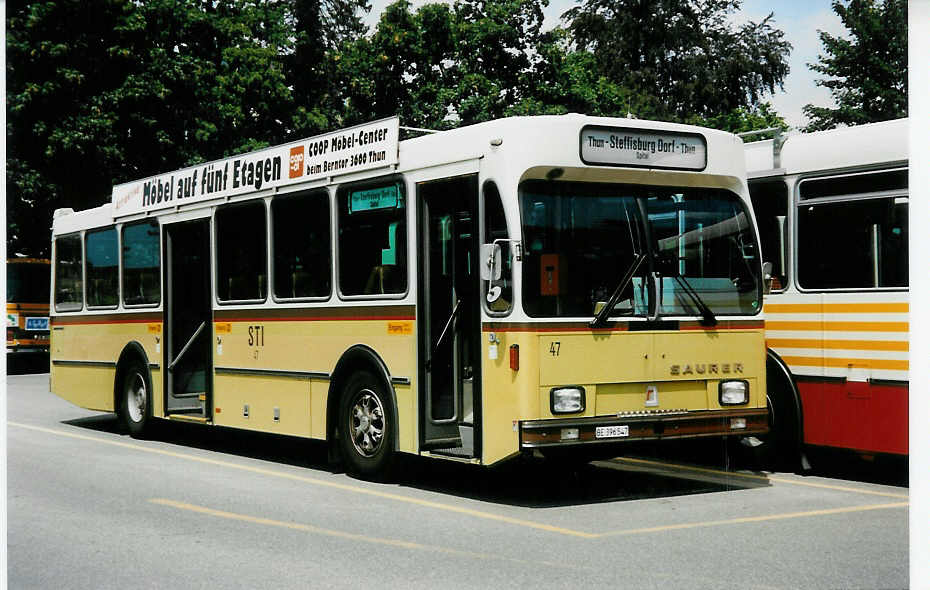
(832, 213)
(559, 284)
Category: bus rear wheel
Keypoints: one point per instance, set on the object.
(136, 399)
(367, 424)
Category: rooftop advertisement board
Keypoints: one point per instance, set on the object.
(364, 147)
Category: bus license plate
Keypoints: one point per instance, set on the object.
(611, 431)
(36, 324)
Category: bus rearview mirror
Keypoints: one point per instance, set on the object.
(767, 277)
(491, 255)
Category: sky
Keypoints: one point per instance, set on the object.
(799, 19)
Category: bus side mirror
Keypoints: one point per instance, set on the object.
(491, 257)
(767, 277)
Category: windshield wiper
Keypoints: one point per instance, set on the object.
(601, 318)
(708, 317)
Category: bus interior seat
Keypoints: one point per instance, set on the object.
(383, 279)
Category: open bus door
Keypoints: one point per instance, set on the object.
(188, 320)
(449, 317)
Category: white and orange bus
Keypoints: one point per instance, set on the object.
(27, 293)
(555, 284)
(832, 213)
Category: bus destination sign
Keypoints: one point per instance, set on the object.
(614, 146)
(387, 197)
(364, 147)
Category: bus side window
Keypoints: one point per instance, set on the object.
(372, 240)
(770, 204)
(102, 268)
(141, 264)
(500, 292)
(240, 252)
(302, 253)
(69, 283)
(853, 244)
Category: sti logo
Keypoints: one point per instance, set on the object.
(296, 162)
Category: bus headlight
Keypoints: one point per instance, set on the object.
(566, 400)
(734, 393)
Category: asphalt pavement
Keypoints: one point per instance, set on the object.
(196, 506)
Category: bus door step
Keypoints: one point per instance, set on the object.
(188, 418)
(455, 452)
(466, 447)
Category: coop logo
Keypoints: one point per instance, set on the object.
(296, 162)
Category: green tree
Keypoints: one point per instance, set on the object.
(685, 53)
(866, 73)
(406, 67)
(323, 29)
(108, 91)
(744, 119)
(64, 70)
(440, 67)
(573, 84)
(496, 43)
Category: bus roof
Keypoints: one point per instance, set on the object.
(873, 144)
(549, 141)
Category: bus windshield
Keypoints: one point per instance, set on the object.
(580, 239)
(27, 282)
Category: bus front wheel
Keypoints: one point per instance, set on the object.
(367, 424)
(136, 399)
(781, 448)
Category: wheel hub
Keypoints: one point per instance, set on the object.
(136, 398)
(367, 423)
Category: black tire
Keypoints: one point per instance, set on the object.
(781, 447)
(135, 399)
(367, 422)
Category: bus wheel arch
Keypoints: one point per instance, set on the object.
(359, 360)
(785, 442)
(133, 383)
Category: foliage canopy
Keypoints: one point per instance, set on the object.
(866, 73)
(100, 92)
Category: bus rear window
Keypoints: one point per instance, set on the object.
(373, 240)
(69, 282)
(241, 273)
(141, 258)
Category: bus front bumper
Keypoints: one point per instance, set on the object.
(562, 432)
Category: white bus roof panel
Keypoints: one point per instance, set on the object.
(848, 147)
(760, 155)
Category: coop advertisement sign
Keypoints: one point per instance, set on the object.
(364, 147)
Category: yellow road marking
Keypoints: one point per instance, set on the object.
(320, 482)
(749, 519)
(811, 484)
(344, 535)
